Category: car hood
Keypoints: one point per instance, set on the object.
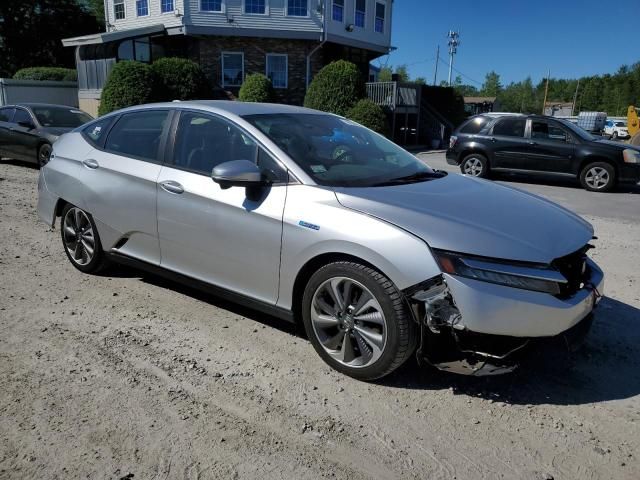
(475, 216)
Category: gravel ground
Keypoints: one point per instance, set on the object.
(126, 376)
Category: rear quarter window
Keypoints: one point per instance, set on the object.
(95, 132)
(474, 125)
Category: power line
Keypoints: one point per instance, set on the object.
(461, 73)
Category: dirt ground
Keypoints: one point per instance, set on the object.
(128, 376)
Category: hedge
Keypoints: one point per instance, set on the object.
(256, 88)
(369, 114)
(129, 83)
(47, 73)
(178, 79)
(336, 88)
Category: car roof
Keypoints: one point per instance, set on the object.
(35, 104)
(228, 106)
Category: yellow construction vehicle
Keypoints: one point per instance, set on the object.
(633, 125)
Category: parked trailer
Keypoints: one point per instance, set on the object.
(592, 121)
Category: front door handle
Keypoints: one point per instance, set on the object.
(172, 187)
(533, 143)
(91, 163)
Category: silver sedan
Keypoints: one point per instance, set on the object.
(316, 219)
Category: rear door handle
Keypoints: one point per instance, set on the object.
(172, 187)
(91, 163)
(533, 143)
(493, 139)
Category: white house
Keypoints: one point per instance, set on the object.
(288, 40)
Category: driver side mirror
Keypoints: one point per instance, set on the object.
(238, 173)
(27, 124)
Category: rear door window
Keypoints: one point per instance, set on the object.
(474, 125)
(138, 134)
(510, 127)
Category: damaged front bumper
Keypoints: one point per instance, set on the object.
(478, 328)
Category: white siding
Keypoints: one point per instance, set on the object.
(234, 18)
(367, 34)
(155, 17)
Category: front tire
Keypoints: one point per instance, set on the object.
(598, 177)
(357, 320)
(475, 165)
(80, 240)
(614, 136)
(44, 153)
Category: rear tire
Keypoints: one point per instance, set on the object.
(475, 165)
(80, 240)
(368, 331)
(598, 177)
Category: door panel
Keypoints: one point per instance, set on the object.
(6, 114)
(549, 148)
(123, 197)
(220, 236)
(23, 140)
(508, 142)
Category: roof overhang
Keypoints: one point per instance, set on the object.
(98, 38)
(352, 42)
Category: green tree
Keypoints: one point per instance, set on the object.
(256, 88)
(336, 88)
(491, 86)
(31, 30)
(385, 75)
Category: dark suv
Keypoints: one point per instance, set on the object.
(539, 144)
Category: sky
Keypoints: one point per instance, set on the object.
(516, 38)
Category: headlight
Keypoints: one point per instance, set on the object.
(631, 156)
(511, 274)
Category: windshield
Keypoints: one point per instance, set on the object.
(581, 132)
(340, 153)
(60, 117)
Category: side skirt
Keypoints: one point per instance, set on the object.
(220, 292)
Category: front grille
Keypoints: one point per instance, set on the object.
(575, 269)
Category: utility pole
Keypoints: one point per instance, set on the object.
(435, 75)
(453, 49)
(575, 98)
(546, 91)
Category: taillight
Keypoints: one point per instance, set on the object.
(452, 141)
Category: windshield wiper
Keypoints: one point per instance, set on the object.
(414, 177)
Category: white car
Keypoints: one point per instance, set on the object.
(616, 128)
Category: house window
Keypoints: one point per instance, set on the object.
(211, 5)
(166, 6)
(232, 69)
(380, 13)
(298, 8)
(258, 7)
(277, 69)
(361, 13)
(142, 8)
(338, 10)
(118, 9)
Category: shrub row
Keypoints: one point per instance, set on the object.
(47, 73)
(134, 83)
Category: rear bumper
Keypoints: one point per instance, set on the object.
(452, 157)
(47, 201)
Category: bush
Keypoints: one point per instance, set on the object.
(336, 88)
(372, 116)
(256, 88)
(178, 79)
(129, 83)
(47, 73)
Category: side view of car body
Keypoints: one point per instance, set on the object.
(616, 129)
(28, 130)
(316, 219)
(534, 144)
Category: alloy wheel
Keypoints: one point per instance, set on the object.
(473, 166)
(78, 236)
(597, 178)
(349, 322)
